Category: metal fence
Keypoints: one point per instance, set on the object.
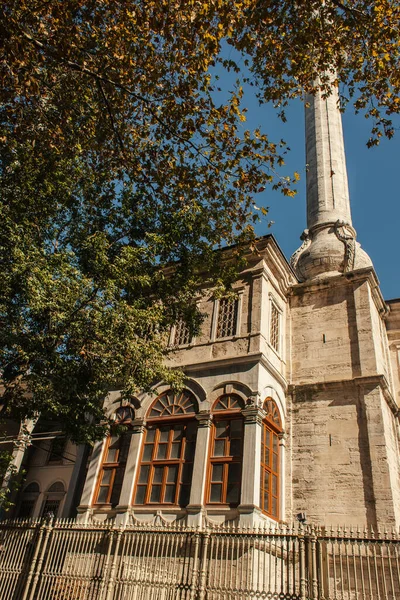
(65, 560)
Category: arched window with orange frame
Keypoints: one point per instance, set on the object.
(166, 464)
(115, 455)
(270, 460)
(226, 451)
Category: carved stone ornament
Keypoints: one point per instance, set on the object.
(345, 233)
(305, 236)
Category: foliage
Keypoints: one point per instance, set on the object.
(120, 156)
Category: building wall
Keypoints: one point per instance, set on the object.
(327, 371)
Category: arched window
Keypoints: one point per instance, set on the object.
(112, 469)
(270, 460)
(124, 415)
(166, 465)
(28, 500)
(54, 496)
(226, 451)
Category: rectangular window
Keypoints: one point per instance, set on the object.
(165, 474)
(274, 327)
(226, 462)
(113, 469)
(181, 334)
(227, 317)
(269, 484)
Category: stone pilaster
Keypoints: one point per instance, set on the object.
(197, 492)
(75, 482)
(250, 493)
(84, 509)
(383, 453)
(131, 470)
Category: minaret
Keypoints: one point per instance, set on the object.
(329, 242)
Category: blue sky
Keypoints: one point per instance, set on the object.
(373, 181)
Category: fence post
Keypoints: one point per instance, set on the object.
(195, 572)
(114, 565)
(107, 562)
(302, 563)
(34, 561)
(203, 567)
(48, 528)
(313, 566)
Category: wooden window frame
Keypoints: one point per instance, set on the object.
(179, 411)
(272, 429)
(227, 459)
(164, 463)
(113, 466)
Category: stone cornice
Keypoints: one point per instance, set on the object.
(255, 357)
(358, 276)
(368, 380)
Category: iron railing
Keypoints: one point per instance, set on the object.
(66, 560)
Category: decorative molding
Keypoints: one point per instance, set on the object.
(253, 415)
(138, 426)
(204, 418)
(347, 235)
(294, 259)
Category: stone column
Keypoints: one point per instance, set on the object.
(250, 494)
(20, 445)
(197, 492)
(131, 470)
(85, 507)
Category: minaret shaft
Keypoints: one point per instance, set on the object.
(327, 187)
(329, 242)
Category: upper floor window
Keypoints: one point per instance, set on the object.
(227, 317)
(180, 335)
(166, 465)
(274, 327)
(270, 460)
(226, 451)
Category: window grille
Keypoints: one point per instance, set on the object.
(228, 402)
(54, 497)
(170, 404)
(274, 327)
(182, 334)
(227, 317)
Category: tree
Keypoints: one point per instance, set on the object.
(121, 158)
